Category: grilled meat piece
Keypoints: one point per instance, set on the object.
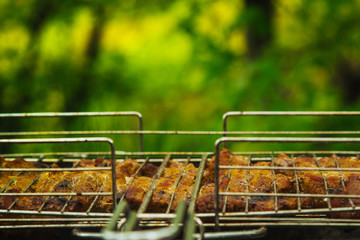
(44, 183)
(287, 203)
(166, 186)
(77, 182)
(206, 198)
(58, 203)
(82, 181)
(253, 181)
(351, 179)
(261, 181)
(64, 182)
(209, 171)
(284, 160)
(125, 172)
(5, 180)
(333, 178)
(17, 163)
(288, 184)
(349, 162)
(6, 201)
(185, 188)
(310, 181)
(352, 187)
(20, 180)
(237, 183)
(313, 182)
(136, 191)
(89, 163)
(149, 170)
(285, 182)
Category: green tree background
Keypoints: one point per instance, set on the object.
(182, 64)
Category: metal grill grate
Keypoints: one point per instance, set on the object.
(145, 218)
(12, 197)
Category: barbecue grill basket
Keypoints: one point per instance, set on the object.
(220, 224)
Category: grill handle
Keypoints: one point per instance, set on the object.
(73, 114)
(278, 113)
(190, 229)
(246, 234)
(108, 233)
(227, 115)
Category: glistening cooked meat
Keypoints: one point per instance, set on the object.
(351, 179)
(311, 181)
(352, 187)
(240, 180)
(77, 182)
(286, 178)
(206, 198)
(209, 171)
(134, 186)
(136, 191)
(333, 178)
(237, 183)
(349, 162)
(265, 181)
(165, 187)
(125, 172)
(20, 180)
(261, 181)
(186, 185)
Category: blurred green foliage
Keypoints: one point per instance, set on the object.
(182, 64)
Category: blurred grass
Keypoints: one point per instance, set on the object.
(182, 64)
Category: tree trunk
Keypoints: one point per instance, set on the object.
(259, 26)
